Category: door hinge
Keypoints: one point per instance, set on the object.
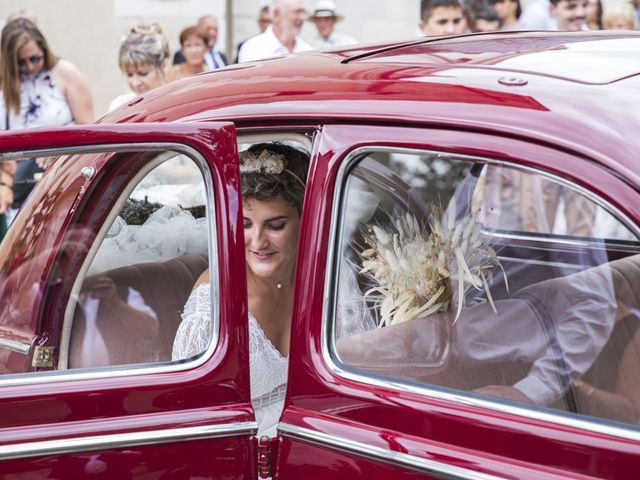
(267, 456)
(43, 357)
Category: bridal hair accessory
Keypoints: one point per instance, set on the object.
(265, 162)
(420, 270)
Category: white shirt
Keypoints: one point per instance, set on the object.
(335, 39)
(121, 100)
(267, 45)
(538, 17)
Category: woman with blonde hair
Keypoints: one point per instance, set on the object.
(143, 59)
(38, 90)
(193, 45)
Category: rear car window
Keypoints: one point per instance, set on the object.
(503, 283)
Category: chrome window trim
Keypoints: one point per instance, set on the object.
(15, 346)
(429, 467)
(30, 378)
(563, 241)
(125, 440)
(330, 293)
(525, 261)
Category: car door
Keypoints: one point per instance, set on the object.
(95, 272)
(529, 373)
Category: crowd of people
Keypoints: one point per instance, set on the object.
(39, 89)
(447, 17)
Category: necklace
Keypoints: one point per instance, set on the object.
(279, 285)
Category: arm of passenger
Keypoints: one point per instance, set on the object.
(194, 333)
(577, 313)
(77, 92)
(7, 172)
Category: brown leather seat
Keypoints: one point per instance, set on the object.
(131, 335)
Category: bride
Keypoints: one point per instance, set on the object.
(273, 182)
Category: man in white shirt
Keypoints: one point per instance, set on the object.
(283, 37)
(538, 17)
(325, 17)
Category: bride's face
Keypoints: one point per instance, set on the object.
(271, 238)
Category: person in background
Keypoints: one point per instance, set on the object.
(213, 57)
(193, 43)
(485, 18)
(442, 17)
(570, 15)
(620, 15)
(325, 17)
(594, 14)
(143, 59)
(509, 12)
(38, 90)
(282, 37)
(264, 20)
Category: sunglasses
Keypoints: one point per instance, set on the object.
(33, 60)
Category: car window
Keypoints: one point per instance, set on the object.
(503, 283)
(96, 269)
(142, 268)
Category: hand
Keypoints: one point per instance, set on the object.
(44, 162)
(101, 287)
(503, 391)
(6, 197)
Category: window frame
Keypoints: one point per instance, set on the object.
(115, 371)
(350, 159)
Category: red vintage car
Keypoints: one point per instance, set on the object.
(504, 165)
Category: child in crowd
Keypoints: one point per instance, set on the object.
(485, 18)
(442, 17)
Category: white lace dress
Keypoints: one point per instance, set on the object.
(268, 368)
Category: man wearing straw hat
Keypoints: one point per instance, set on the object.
(325, 18)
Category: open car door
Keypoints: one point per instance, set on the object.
(94, 274)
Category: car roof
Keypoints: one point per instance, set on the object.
(573, 90)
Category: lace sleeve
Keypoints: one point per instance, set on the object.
(194, 333)
(353, 315)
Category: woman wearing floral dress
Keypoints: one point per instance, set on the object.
(38, 90)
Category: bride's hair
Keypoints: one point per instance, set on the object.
(274, 170)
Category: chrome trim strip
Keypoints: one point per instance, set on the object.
(124, 440)
(614, 242)
(433, 468)
(525, 261)
(134, 369)
(327, 343)
(15, 346)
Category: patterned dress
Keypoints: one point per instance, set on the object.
(42, 104)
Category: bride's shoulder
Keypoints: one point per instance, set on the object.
(202, 279)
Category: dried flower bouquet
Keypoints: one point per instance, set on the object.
(424, 269)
